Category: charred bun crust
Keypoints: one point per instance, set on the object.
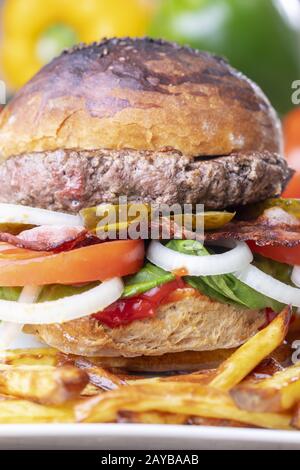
(142, 94)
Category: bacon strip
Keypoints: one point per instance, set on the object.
(50, 238)
(274, 227)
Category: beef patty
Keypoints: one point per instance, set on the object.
(69, 180)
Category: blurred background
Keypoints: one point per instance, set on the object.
(259, 37)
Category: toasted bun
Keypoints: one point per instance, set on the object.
(194, 323)
(142, 94)
(182, 361)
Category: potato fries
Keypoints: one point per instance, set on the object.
(277, 393)
(24, 411)
(41, 356)
(250, 386)
(248, 356)
(42, 384)
(151, 417)
(98, 376)
(190, 399)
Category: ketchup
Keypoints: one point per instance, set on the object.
(124, 311)
(269, 317)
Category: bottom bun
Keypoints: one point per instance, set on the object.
(194, 323)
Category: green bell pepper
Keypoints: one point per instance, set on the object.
(256, 36)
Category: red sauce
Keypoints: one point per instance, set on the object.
(269, 317)
(124, 311)
(180, 272)
(181, 294)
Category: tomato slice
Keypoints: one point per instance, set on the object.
(119, 258)
(13, 253)
(278, 253)
(291, 128)
(293, 188)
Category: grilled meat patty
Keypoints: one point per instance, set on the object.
(69, 180)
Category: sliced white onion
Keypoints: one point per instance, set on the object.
(10, 331)
(267, 285)
(296, 276)
(65, 309)
(16, 213)
(29, 294)
(233, 260)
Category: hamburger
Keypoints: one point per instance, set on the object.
(157, 123)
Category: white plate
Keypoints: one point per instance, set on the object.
(138, 436)
(141, 436)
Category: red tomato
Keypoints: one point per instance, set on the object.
(278, 253)
(293, 188)
(125, 311)
(119, 258)
(291, 128)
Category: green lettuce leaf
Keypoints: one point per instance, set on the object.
(51, 292)
(58, 291)
(10, 293)
(147, 278)
(224, 288)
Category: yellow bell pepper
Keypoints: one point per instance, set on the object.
(35, 31)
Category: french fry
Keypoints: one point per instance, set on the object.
(90, 390)
(201, 377)
(39, 356)
(98, 376)
(198, 421)
(148, 380)
(174, 397)
(251, 353)
(277, 393)
(151, 417)
(156, 417)
(24, 411)
(79, 389)
(42, 384)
